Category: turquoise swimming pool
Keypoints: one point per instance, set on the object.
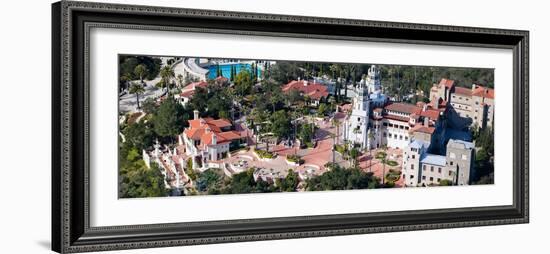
(226, 69)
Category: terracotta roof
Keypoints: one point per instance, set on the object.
(204, 129)
(447, 82)
(197, 127)
(397, 118)
(222, 79)
(430, 113)
(463, 91)
(187, 93)
(423, 129)
(222, 137)
(194, 85)
(311, 89)
(230, 135)
(481, 91)
(346, 107)
(189, 90)
(403, 108)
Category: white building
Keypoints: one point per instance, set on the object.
(208, 140)
(421, 168)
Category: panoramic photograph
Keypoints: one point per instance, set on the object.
(210, 126)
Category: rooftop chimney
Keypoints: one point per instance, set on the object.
(214, 141)
(195, 114)
(474, 87)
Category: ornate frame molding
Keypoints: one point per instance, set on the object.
(71, 22)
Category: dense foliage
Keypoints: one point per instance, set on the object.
(128, 64)
(339, 178)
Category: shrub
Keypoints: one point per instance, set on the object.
(294, 158)
(380, 155)
(265, 154)
(391, 163)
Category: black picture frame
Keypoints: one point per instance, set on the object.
(71, 231)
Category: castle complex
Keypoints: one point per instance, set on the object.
(422, 130)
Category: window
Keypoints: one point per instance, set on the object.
(424, 167)
(451, 163)
(400, 137)
(406, 127)
(438, 180)
(477, 103)
(406, 138)
(384, 134)
(385, 124)
(412, 166)
(413, 156)
(439, 170)
(450, 173)
(431, 179)
(423, 177)
(412, 176)
(432, 168)
(404, 176)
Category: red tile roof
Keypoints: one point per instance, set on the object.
(310, 89)
(463, 91)
(481, 91)
(423, 129)
(189, 90)
(204, 129)
(397, 118)
(447, 82)
(194, 85)
(403, 108)
(430, 113)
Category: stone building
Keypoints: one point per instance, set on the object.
(421, 168)
(468, 106)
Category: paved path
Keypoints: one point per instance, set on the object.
(127, 103)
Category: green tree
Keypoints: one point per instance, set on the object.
(383, 161)
(199, 100)
(445, 182)
(141, 71)
(280, 126)
(354, 153)
(166, 75)
(139, 135)
(138, 181)
(290, 182)
(149, 106)
(243, 83)
(169, 119)
(322, 110)
(137, 89)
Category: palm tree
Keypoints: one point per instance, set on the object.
(137, 89)
(384, 155)
(371, 136)
(354, 153)
(125, 79)
(180, 80)
(166, 74)
(140, 70)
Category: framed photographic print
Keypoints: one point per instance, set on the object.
(181, 126)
